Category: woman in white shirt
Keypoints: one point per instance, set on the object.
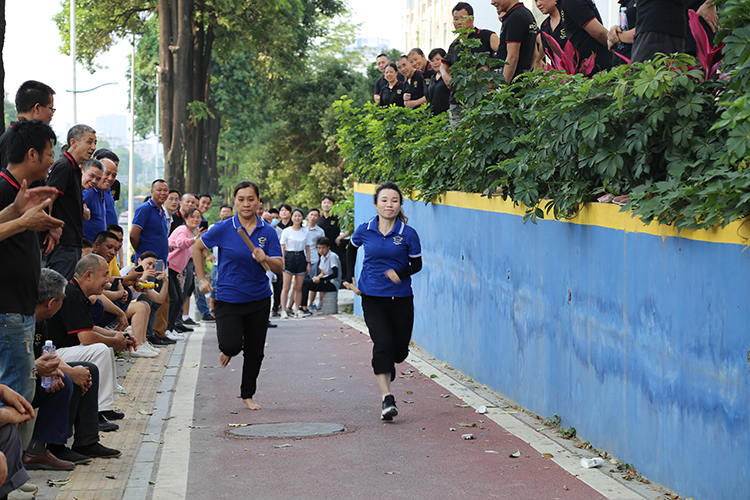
(296, 252)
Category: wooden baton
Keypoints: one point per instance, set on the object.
(241, 231)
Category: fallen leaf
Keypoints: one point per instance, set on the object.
(238, 425)
(512, 412)
(169, 418)
(152, 482)
(144, 412)
(467, 437)
(331, 378)
(110, 476)
(461, 406)
(233, 412)
(409, 392)
(286, 445)
(161, 441)
(407, 401)
(674, 496)
(198, 426)
(451, 428)
(445, 395)
(547, 455)
(433, 376)
(565, 487)
(192, 366)
(515, 455)
(492, 451)
(390, 473)
(464, 424)
(55, 482)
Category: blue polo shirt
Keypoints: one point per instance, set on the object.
(240, 277)
(109, 207)
(97, 222)
(154, 224)
(382, 253)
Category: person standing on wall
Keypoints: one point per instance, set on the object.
(392, 254)
(243, 293)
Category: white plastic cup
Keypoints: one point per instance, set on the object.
(590, 463)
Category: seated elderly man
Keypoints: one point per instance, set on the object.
(116, 304)
(73, 332)
(70, 402)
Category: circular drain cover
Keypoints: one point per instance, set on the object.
(289, 429)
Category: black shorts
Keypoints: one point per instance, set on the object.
(295, 262)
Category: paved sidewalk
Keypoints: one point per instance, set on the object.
(317, 370)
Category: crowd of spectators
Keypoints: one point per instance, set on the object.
(646, 27)
(66, 285)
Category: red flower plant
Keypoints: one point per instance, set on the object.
(568, 60)
(708, 54)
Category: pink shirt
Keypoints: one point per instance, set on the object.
(181, 240)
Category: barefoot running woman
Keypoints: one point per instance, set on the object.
(243, 293)
(392, 255)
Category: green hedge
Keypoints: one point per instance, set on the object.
(677, 144)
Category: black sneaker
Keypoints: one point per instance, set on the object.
(105, 425)
(190, 322)
(160, 341)
(97, 450)
(209, 317)
(275, 313)
(112, 414)
(182, 328)
(64, 453)
(389, 408)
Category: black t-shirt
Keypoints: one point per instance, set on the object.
(558, 34)
(115, 190)
(40, 337)
(283, 226)
(73, 317)
(661, 16)
(429, 75)
(330, 226)
(415, 86)
(576, 15)
(438, 95)
(393, 95)
(625, 49)
(177, 220)
(519, 26)
(19, 265)
(454, 51)
(382, 82)
(4, 147)
(65, 175)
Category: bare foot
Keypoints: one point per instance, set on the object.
(251, 404)
(224, 360)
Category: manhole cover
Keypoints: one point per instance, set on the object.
(289, 429)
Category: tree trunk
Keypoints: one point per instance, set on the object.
(210, 172)
(174, 98)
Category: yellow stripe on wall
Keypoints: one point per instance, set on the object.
(594, 214)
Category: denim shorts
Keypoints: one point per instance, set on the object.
(17, 353)
(295, 263)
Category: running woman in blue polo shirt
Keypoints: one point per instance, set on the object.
(243, 293)
(392, 255)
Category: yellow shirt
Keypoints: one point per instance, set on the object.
(114, 270)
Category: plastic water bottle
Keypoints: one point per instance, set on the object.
(314, 309)
(48, 348)
(623, 24)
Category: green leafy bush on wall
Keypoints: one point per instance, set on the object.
(677, 143)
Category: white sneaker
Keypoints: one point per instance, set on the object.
(299, 314)
(284, 315)
(143, 353)
(147, 346)
(175, 335)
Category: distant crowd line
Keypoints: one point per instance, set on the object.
(646, 27)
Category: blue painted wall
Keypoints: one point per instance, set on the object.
(639, 342)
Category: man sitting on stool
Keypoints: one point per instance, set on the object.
(328, 278)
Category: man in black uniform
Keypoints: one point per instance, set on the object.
(34, 101)
(463, 19)
(331, 228)
(584, 29)
(66, 175)
(414, 84)
(659, 27)
(30, 155)
(517, 38)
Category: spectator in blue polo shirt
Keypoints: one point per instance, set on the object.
(392, 255)
(243, 293)
(93, 198)
(150, 231)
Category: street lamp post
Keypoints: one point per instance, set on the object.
(73, 57)
(131, 162)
